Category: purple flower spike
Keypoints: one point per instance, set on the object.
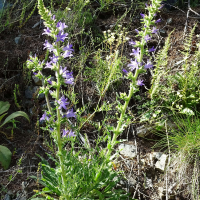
(133, 65)
(143, 15)
(46, 31)
(140, 82)
(132, 42)
(63, 103)
(148, 65)
(61, 26)
(157, 21)
(136, 52)
(66, 133)
(44, 116)
(61, 37)
(152, 49)
(154, 30)
(147, 38)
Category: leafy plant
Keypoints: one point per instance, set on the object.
(5, 154)
(5, 157)
(81, 178)
(178, 91)
(4, 106)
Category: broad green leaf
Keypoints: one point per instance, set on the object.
(1, 117)
(4, 106)
(187, 111)
(15, 114)
(5, 157)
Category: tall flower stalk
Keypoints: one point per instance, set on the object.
(136, 67)
(54, 56)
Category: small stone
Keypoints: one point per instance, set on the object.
(18, 40)
(127, 150)
(37, 81)
(161, 163)
(169, 21)
(143, 131)
(7, 197)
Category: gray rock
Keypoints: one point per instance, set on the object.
(31, 91)
(36, 80)
(7, 197)
(169, 21)
(127, 150)
(161, 163)
(148, 183)
(143, 130)
(18, 40)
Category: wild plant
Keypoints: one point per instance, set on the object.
(179, 91)
(64, 181)
(16, 93)
(5, 153)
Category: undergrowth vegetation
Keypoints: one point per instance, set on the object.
(89, 56)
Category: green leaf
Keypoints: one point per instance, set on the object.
(5, 157)
(2, 116)
(15, 114)
(187, 111)
(4, 106)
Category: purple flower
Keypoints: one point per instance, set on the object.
(132, 42)
(148, 65)
(48, 46)
(46, 31)
(51, 129)
(147, 37)
(154, 30)
(61, 37)
(136, 52)
(34, 73)
(67, 54)
(133, 65)
(140, 82)
(143, 15)
(68, 48)
(152, 49)
(69, 79)
(53, 17)
(61, 26)
(68, 134)
(161, 6)
(124, 71)
(137, 31)
(49, 81)
(54, 59)
(63, 103)
(48, 65)
(157, 21)
(44, 116)
(71, 113)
